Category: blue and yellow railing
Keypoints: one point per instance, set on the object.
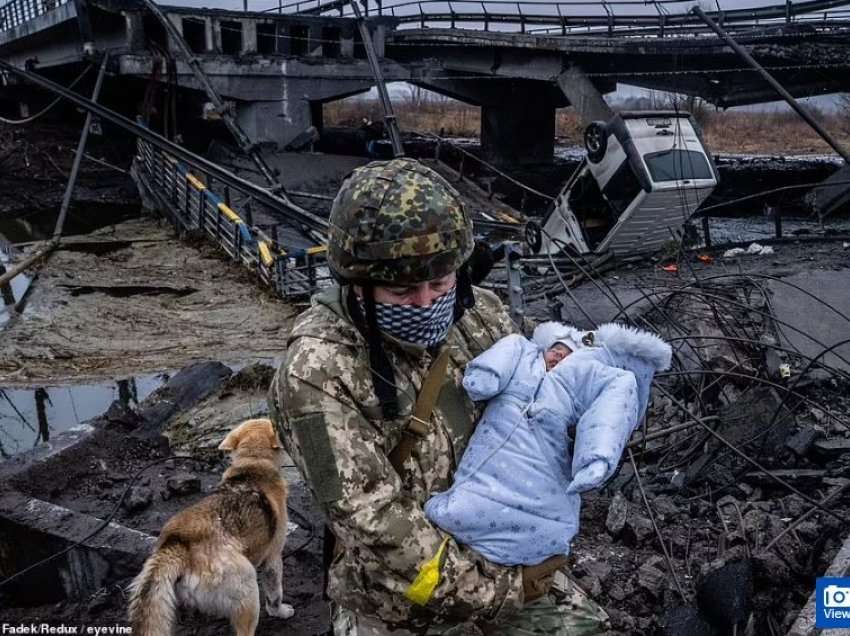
(186, 196)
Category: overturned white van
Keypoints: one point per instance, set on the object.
(644, 175)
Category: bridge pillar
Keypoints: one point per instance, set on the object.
(271, 122)
(520, 130)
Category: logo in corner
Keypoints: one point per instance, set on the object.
(832, 602)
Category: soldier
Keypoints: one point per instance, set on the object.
(370, 406)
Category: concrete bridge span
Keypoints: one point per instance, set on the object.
(277, 69)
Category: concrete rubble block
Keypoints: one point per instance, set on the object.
(800, 443)
(831, 448)
(652, 576)
(182, 483)
(138, 499)
(751, 416)
(599, 568)
(618, 510)
(638, 529)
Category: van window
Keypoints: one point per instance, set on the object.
(676, 164)
(621, 189)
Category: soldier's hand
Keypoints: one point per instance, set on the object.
(537, 579)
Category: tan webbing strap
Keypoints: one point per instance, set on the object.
(422, 411)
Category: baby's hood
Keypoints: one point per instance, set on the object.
(625, 340)
(546, 334)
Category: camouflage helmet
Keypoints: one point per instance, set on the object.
(397, 222)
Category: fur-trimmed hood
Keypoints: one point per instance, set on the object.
(622, 339)
(618, 339)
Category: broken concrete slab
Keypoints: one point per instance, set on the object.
(830, 448)
(31, 528)
(62, 338)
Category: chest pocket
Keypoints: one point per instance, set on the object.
(458, 412)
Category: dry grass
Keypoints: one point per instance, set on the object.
(735, 132)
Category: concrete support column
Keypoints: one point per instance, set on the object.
(173, 48)
(520, 130)
(314, 45)
(209, 34)
(135, 31)
(379, 39)
(274, 122)
(584, 96)
(249, 36)
(216, 36)
(346, 42)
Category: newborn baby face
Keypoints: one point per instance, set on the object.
(555, 354)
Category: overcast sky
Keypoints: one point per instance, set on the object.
(567, 8)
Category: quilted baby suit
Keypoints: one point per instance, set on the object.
(542, 433)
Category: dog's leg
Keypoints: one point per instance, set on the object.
(245, 612)
(271, 582)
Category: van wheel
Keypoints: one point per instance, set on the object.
(533, 237)
(596, 141)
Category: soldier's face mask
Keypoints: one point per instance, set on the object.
(426, 326)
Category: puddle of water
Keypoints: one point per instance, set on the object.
(26, 415)
(759, 228)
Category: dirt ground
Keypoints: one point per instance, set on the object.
(91, 477)
(135, 299)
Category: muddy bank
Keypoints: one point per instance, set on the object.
(35, 161)
(134, 299)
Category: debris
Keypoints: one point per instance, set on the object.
(725, 596)
(597, 568)
(801, 442)
(182, 483)
(705, 258)
(138, 498)
(638, 528)
(834, 447)
(686, 621)
(672, 268)
(617, 513)
(785, 371)
(754, 249)
(651, 578)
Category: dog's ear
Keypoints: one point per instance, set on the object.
(230, 442)
(273, 436)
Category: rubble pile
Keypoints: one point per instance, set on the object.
(749, 488)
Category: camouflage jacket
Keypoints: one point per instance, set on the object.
(323, 402)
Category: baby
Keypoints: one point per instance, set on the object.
(516, 495)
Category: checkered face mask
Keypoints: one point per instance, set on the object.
(426, 326)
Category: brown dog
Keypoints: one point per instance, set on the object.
(209, 554)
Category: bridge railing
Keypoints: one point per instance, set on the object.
(18, 12)
(566, 17)
(186, 195)
(468, 164)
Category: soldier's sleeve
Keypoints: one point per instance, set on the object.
(341, 454)
(492, 316)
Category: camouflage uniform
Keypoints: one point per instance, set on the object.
(330, 420)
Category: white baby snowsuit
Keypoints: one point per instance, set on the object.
(512, 499)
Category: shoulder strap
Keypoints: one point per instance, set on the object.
(417, 427)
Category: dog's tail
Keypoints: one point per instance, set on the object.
(153, 602)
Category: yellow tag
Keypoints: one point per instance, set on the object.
(423, 586)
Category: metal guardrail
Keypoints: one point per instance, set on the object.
(18, 12)
(464, 161)
(671, 16)
(185, 194)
